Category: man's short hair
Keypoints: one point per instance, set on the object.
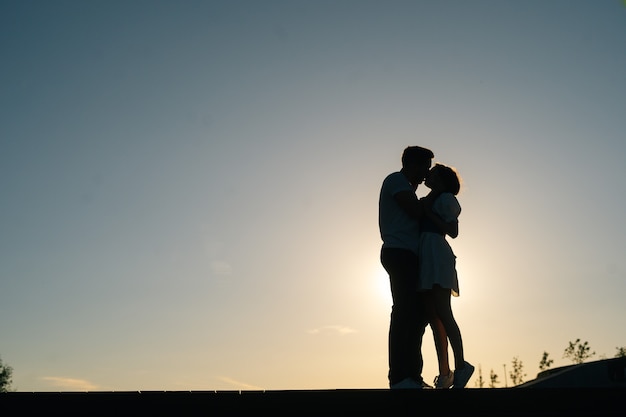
(416, 155)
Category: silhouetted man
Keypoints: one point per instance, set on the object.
(398, 218)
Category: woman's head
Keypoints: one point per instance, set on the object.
(445, 178)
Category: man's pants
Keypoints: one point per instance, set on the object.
(408, 318)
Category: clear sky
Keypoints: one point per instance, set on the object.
(189, 189)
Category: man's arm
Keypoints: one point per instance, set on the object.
(409, 202)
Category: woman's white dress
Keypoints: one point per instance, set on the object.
(437, 260)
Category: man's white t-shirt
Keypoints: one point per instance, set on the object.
(397, 228)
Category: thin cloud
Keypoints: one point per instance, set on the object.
(221, 268)
(238, 384)
(333, 329)
(70, 384)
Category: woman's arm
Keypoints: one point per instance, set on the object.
(448, 228)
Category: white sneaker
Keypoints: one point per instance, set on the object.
(444, 381)
(410, 383)
(462, 376)
(426, 386)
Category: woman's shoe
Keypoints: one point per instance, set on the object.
(444, 381)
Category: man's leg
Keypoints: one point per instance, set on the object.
(419, 321)
(408, 320)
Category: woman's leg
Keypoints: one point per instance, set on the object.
(440, 336)
(443, 309)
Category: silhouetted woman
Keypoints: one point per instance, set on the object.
(438, 276)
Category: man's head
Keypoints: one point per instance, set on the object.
(416, 162)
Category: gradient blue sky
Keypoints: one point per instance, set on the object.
(189, 189)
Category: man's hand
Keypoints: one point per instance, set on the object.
(428, 200)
